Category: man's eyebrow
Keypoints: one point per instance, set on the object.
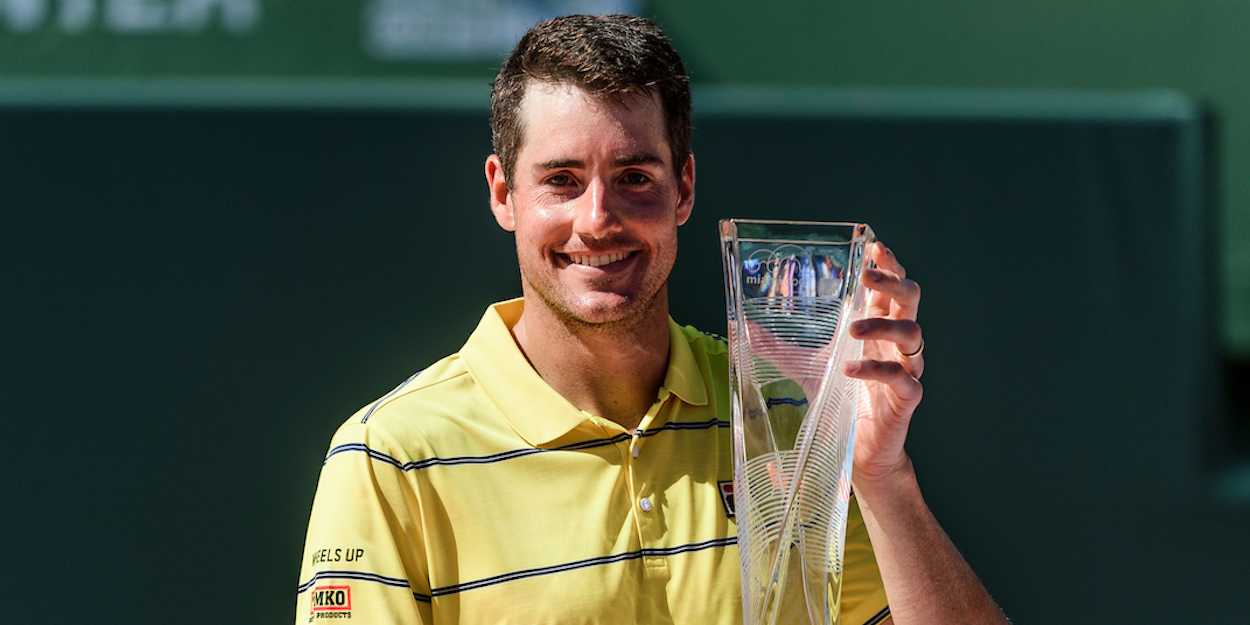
(629, 160)
(559, 164)
(625, 160)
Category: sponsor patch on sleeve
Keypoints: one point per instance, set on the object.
(330, 602)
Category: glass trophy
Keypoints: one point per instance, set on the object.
(793, 289)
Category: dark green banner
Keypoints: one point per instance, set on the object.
(267, 37)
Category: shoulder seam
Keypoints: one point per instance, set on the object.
(405, 388)
(712, 338)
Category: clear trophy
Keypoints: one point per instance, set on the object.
(793, 289)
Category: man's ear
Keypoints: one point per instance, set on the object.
(499, 194)
(685, 198)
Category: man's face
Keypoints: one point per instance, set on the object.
(595, 203)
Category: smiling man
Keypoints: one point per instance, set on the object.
(595, 200)
(572, 463)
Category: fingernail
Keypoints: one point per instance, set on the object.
(853, 367)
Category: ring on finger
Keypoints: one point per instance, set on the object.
(918, 351)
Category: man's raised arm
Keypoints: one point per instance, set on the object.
(926, 579)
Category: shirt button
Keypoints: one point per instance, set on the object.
(645, 504)
(635, 451)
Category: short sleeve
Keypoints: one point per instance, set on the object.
(364, 556)
(863, 594)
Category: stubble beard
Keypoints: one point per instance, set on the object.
(637, 309)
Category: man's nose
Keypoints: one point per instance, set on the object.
(596, 215)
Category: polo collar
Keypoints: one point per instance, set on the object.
(684, 378)
(539, 414)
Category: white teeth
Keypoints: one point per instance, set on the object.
(597, 261)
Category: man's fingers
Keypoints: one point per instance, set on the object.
(885, 259)
(905, 333)
(890, 287)
(894, 374)
(902, 334)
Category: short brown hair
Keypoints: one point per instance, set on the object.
(609, 56)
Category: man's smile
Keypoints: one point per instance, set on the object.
(596, 260)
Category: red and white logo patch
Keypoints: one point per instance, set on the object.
(727, 497)
(331, 599)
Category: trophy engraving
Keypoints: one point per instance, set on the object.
(792, 290)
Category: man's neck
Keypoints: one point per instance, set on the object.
(614, 372)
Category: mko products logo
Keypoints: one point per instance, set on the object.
(330, 602)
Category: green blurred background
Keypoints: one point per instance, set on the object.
(1197, 47)
(226, 224)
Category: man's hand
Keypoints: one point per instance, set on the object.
(891, 368)
(926, 579)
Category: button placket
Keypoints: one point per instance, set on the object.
(644, 502)
(650, 517)
(647, 512)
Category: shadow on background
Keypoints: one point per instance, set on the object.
(196, 298)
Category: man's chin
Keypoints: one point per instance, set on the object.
(604, 310)
(595, 308)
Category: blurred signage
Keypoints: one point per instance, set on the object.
(463, 29)
(129, 16)
(270, 38)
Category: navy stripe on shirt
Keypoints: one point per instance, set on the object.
(400, 582)
(520, 453)
(363, 576)
(879, 617)
(581, 564)
(777, 401)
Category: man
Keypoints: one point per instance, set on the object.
(572, 462)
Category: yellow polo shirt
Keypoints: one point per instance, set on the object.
(474, 493)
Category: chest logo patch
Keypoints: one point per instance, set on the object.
(727, 497)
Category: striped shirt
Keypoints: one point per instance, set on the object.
(474, 493)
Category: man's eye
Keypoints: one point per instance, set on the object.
(560, 180)
(634, 178)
